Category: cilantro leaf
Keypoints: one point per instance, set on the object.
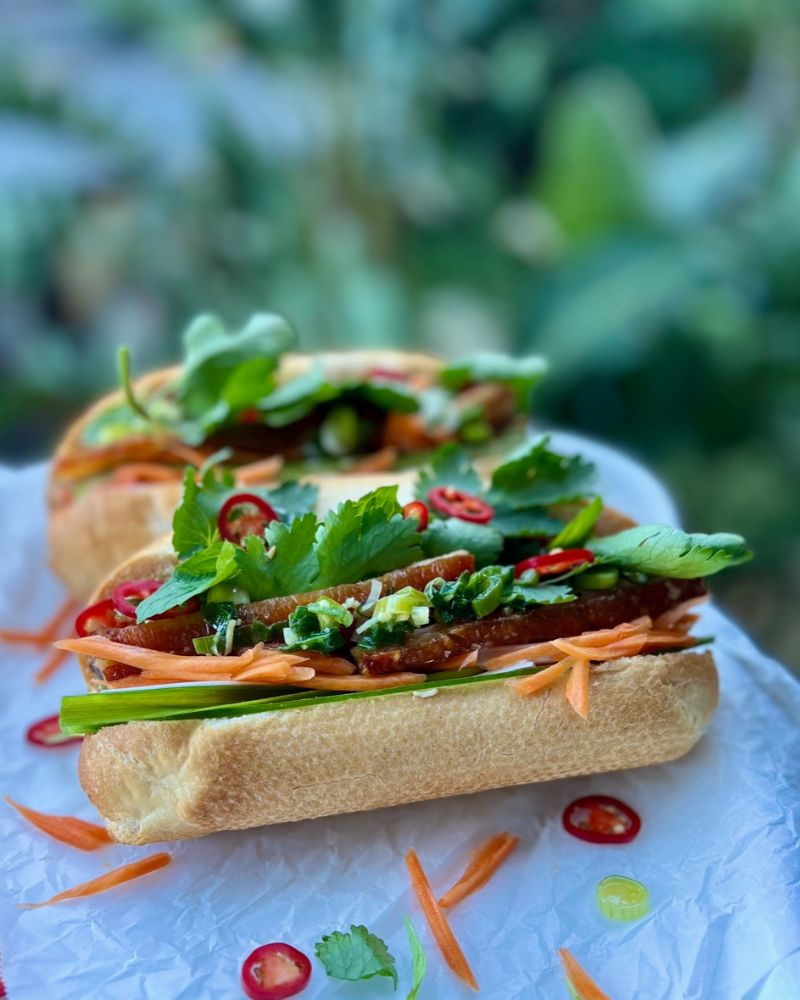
(419, 963)
(364, 538)
(226, 371)
(356, 955)
(580, 527)
(194, 524)
(664, 551)
(197, 574)
(449, 466)
(482, 540)
(521, 596)
(522, 374)
(534, 476)
(532, 523)
(293, 567)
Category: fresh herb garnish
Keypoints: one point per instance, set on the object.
(419, 963)
(356, 955)
(522, 374)
(580, 527)
(475, 595)
(659, 550)
(484, 541)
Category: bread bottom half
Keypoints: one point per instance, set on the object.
(157, 781)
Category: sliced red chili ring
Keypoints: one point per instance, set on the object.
(47, 733)
(386, 375)
(418, 510)
(136, 589)
(274, 972)
(601, 819)
(103, 614)
(235, 529)
(456, 503)
(554, 563)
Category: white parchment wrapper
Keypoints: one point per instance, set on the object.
(718, 849)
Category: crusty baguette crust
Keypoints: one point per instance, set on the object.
(155, 781)
(95, 533)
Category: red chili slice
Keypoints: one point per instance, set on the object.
(275, 971)
(601, 819)
(235, 529)
(555, 562)
(386, 375)
(418, 510)
(47, 733)
(136, 589)
(100, 615)
(456, 503)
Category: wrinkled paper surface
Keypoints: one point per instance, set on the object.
(717, 851)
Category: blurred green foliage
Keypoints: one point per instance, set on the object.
(615, 184)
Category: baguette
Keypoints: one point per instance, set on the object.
(95, 532)
(155, 781)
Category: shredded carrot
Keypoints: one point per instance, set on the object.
(47, 633)
(577, 690)
(186, 454)
(272, 664)
(378, 461)
(668, 640)
(360, 682)
(69, 830)
(51, 665)
(144, 472)
(437, 921)
(607, 636)
(259, 472)
(534, 683)
(599, 654)
(485, 863)
(585, 987)
(675, 614)
(113, 878)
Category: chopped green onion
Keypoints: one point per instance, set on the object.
(621, 898)
(602, 578)
(124, 366)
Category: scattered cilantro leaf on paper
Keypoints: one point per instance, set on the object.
(356, 955)
(419, 963)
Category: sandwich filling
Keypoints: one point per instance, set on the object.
(240, 395)
(377, 597)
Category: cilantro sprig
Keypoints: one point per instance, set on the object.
(355, 955)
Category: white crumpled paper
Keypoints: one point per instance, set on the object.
(718, 850)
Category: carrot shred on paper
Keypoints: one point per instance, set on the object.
(437, 921)
(488, 858)
(68, 829)
(51, 665)
(47, 633)
(577, 690)
(584, 986)
(116, 876)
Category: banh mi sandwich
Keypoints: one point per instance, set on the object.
(482, 635)
(116, 476)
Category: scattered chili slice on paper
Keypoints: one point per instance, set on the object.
(48, 733)
(69, 830)
(601, 819)
(115, 877)
(274, 972)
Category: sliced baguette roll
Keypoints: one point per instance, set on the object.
(94, 533)
(156, 781)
